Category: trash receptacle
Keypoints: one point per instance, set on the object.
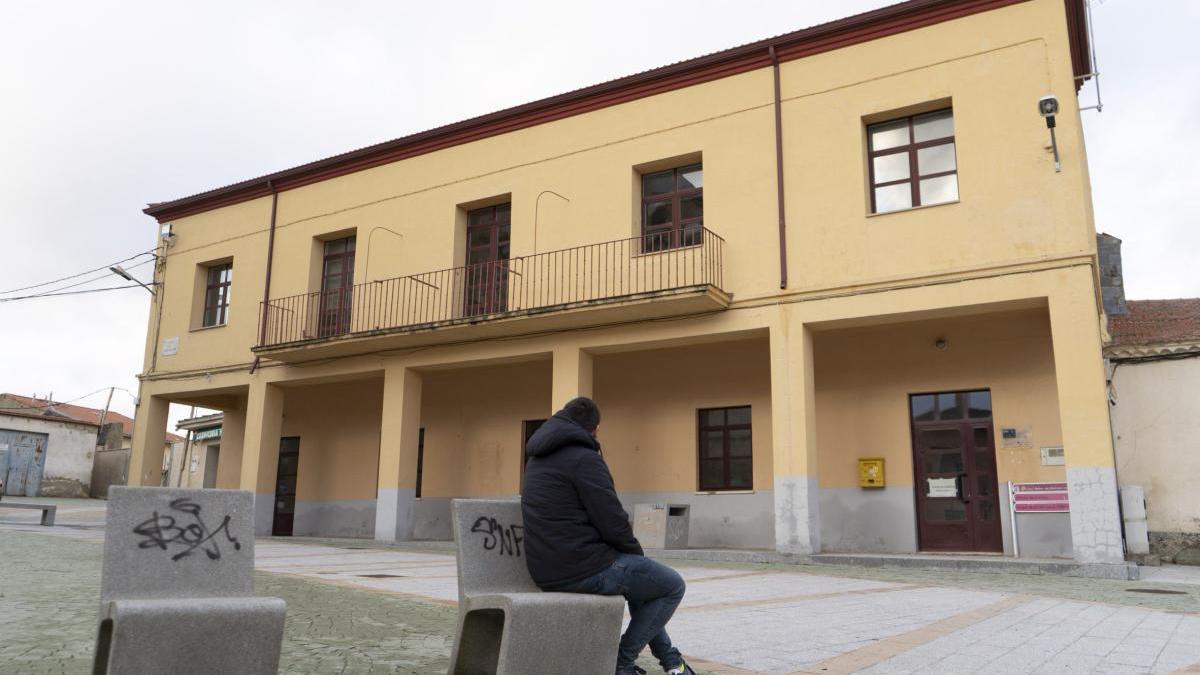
(661, 525)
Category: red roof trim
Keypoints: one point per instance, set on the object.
(1081, 52)
(826, 37)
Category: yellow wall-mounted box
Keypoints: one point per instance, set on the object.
(870, 472)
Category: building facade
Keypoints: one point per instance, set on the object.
(765, 264)
(193, 462)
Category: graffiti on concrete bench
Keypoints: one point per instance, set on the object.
(166, 532)
(506, 540)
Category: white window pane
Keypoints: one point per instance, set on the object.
(934, 125)
(891, 167)
(939, 190)
(888, 135)
(893, 198)
(936, 159)
(691, 178)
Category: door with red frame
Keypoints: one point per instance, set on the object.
(337, 287)
(486, 282)
(954, 462)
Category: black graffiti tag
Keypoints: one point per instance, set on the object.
(164, 532)
(504, 540)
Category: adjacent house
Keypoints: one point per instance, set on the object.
(1154, 358)
(47, 448)
(829, 289)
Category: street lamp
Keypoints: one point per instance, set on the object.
(120, 271)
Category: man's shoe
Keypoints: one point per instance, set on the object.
(681, 669)
(631, 670)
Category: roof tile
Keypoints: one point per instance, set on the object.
(1157, 322)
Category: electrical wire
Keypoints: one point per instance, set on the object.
(87, 281)
(51, 404)
(79, 292)
(76, 276)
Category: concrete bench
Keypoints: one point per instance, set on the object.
(177, 587)
(47, 510)
(506, 624)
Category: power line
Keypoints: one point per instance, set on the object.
(75, 276)
(51, 404)
(87, 281)
(80, 292)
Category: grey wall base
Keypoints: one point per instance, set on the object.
(335, 518)
(745, 520)
(874, 520)
(394, 514)
(431, 519)
(1170, 546)
(853, 520)
(264, 514)
(1095, 519)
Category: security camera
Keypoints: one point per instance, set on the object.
(167, 234)
(1048, 106)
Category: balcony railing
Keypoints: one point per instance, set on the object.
(543, 282)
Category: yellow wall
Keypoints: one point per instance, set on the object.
(992, 66)
(473, 432)
(338, 425)
(648, 402)
(864, 377)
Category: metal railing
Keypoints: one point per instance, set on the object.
(541, 282)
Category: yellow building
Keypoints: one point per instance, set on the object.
(765, 264)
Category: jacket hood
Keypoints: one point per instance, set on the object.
(557, 433)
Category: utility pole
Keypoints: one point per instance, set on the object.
(187, 446)
(104, 413)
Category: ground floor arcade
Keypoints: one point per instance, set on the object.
(757, 417)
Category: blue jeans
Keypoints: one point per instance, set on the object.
(653, 591)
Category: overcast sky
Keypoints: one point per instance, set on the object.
(107, 106)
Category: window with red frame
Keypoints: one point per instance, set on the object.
(216, 295)
(672, 208)
(912, 162)
(725, 449)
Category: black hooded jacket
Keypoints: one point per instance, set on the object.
(574, 523)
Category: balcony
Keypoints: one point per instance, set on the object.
(656, 276)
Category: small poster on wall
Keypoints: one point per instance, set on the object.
(1015, 437)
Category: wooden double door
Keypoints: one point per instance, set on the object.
(954, 461)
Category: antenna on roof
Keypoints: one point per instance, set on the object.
(1095, 70)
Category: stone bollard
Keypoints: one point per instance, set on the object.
(177, 588)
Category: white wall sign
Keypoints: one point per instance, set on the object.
(1053, 457)
(942, 487)
(170, 346)
(1015, 437)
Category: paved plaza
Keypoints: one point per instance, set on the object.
(360, 607)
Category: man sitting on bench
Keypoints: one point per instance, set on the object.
(578, 538)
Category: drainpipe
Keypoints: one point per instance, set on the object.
(783, 273)
(262, 329)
